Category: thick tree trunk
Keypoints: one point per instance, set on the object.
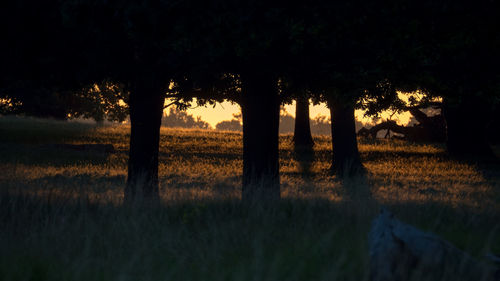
(146, 109)
(466, 129)
(302, 133)
(494, 126)
(346, 160)
(260, 108)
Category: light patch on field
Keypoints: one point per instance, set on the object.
(201, 164)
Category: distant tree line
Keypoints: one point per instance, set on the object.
(177, 118)
(259, 54)
(320, 125)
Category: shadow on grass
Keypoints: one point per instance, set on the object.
(199, 240)
(489, 169)
(36, 131)
(357, 188)
(294, 239)
(304, 155)
(72, 183)
(488, 166)
(29, 154)
(384, 155)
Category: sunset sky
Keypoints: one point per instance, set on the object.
(225, 111)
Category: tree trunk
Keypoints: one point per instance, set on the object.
(302, 133)
(466, 129)
(494, 126)
(146, 109)
(346, 160)
(260, 109)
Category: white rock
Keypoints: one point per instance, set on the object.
(399, 251)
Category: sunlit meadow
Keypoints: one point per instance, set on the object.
(61, 216)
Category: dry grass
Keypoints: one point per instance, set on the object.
(61, 219)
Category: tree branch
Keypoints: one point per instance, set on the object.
(172, 103)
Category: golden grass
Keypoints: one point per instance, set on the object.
(202, 164)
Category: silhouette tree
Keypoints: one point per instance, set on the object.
(205, 57)
(494, 126)
(344, 59)
(287, 122)
(100, 102)
(456, 59)
(302, 133)
(40, 74)
(260, 136)
(134, 44)
(230, 125)
(321, 125)
(427, 123)
(181, 119)
(251, 45)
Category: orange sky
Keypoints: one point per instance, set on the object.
(225, 111)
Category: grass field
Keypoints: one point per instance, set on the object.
(61, 216)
